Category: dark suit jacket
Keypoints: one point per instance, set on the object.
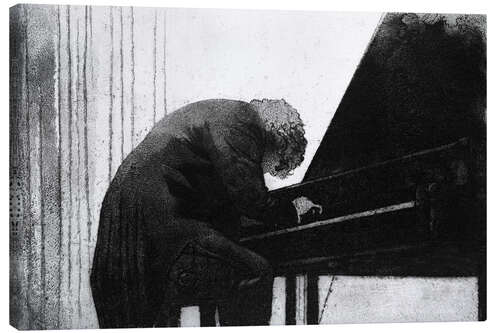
(201, 162)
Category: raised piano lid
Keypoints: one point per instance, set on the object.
(421, 84)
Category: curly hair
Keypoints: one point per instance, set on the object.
(287, 129)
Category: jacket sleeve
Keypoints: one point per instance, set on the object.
(237, 152)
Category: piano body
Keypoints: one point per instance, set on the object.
(400, 173)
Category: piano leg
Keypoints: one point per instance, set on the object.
(291, 302)
(302, 305)
(207, 314)
(312, 299)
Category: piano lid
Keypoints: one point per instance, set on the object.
(420, 84)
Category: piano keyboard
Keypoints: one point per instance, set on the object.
(373, 212)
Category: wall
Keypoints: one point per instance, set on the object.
(305, 57)
(85, 90)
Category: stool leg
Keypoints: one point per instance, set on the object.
(207, 314)
(168, 316)
(291, 299)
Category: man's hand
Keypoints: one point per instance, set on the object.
(303, 205)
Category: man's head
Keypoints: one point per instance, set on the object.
(285, 141)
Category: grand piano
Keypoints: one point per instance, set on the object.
(400, 173)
